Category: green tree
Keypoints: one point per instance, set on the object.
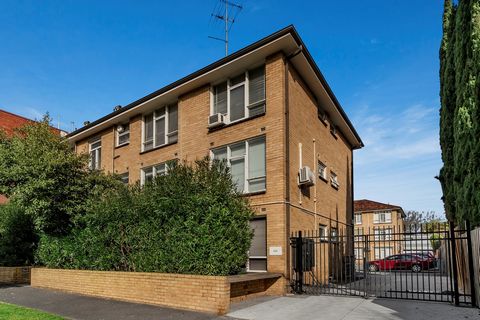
(191, 220)
(460, 114)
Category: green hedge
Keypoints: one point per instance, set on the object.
(189, 221)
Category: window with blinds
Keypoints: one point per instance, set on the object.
(240, 97)
(247, 164)
(160, 127)
(257, 255)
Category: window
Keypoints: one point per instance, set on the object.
(382, 217)
(322, 230)
(240, 97)
(383, 234)
(124, 177)
(246, 160)
(149, 173)
(358, 218)
(123, 134)
(322, 171)
(382, 252)
(95, 152)
(358, 253)
(334, 234)
(334, 180)
(257, 255)
(358, 234)
(160, 127)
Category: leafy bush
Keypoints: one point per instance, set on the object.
(189, 221)
(17, 236)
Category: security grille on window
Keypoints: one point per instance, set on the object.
(124, 177)
(95, 154)
(358, 218)
(240, 97)
(322, 170)
(246, 160)
(334, 180)
(160, 127)
(382, 217)
(123, 134)
(148, 174)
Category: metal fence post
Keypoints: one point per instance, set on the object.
(299, 262)
(470, 265)
(366, 251)
(454, 263)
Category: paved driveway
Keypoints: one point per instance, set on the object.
(79, 307)
(349, 308)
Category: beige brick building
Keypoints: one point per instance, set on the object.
(381, 221)
(268, 111)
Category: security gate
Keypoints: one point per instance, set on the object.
(430, 262)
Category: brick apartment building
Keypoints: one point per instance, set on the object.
(268, 111)
(9, 122)
(380, 220)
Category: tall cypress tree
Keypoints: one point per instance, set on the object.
(447, 98)
(459, 113)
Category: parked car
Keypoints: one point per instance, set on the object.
(406, 261)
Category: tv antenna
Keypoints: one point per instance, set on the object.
(218, 15)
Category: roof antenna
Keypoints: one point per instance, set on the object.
(224, 16)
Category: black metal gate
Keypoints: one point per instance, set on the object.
(430, 262)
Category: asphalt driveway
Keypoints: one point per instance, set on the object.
(73, 306)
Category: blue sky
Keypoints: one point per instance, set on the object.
(78, 59)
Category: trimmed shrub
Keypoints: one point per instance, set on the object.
(191, 220)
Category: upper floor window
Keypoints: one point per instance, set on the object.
(358, 218)
(334, 180)
(149, 173)
(95, 151)
(240, 97)
(382, 217)
(160, 127)
(246, 160)
(322, 171)
(123, 134)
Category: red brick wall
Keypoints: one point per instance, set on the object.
(10, 121)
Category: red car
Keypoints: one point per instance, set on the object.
(406, 261)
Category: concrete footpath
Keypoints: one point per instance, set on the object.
(73, 306)
(348, 308)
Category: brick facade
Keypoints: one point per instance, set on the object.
(14, 275)
(292, 131)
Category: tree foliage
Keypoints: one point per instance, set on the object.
(189, 221)
(459, 113)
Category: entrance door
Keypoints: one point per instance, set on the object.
(257, 255)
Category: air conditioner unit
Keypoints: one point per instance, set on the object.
(216, 120)
(305, 177)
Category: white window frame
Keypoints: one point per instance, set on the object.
(357, 219)
(246, 84)
(98, 154)
(322, 232)
(381, 217)
(156, 117)
(122, 134)
(246, 177)
(322, 170)
(155, 171)
(334, 180)
(379, 250)
(383, 234)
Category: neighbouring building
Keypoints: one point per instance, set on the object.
(381, 221)
(9, 122)
(268, 111)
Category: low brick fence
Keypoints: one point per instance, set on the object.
(15, 275)
(193, 292)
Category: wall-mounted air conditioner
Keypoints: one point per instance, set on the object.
(216, 120)
(305, 177)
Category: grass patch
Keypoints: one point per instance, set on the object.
(14, 312)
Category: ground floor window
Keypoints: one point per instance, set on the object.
(383, 252)
(257, 255)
